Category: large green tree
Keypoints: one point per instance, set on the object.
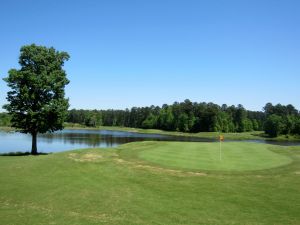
(274, 125)
(36, 101)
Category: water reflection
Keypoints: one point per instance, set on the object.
(75, 139)
(107, 138)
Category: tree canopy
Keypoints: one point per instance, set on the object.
(190, 116)
(184, 116)
(37, 102)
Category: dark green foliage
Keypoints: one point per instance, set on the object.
(150, 121)
(240, 118)
(5, 119)
(184, 116)
(221, 122)
(93, 119)
(183, 122)
(255, 125)
(247, 125)
(37, 102)
(281, 120)
(274, 125)
(296, 128)
(280, 110)
(196, 117)
(166, 118)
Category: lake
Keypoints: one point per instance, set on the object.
(75, 139)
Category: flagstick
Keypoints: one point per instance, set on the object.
(220, 150)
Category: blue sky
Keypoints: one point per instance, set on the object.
(139, 53)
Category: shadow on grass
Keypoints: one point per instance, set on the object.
(21, 154)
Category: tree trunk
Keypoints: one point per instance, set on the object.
(34, 147)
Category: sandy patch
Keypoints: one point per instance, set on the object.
(88, 157)
(159, 169)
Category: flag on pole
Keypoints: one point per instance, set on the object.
(221, 138)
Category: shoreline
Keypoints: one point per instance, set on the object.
(253, 135)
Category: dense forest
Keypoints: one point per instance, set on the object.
(190, 116)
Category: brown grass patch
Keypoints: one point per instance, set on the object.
(159, 169)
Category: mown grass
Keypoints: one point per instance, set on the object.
(210, 156)
(114, 186)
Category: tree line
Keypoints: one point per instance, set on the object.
(193, 117)
(281, 119)
(190, 116)
(184, 116)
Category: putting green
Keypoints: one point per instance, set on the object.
(236, 156)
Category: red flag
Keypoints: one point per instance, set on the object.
(221, 138)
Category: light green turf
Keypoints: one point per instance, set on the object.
(234, 156)
(115, 187)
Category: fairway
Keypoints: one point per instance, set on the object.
(235, 156)
(146, 183)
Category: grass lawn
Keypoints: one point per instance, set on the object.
(154, 183)
(208, 156)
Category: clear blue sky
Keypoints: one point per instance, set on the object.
(138, 53)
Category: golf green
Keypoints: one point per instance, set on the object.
(119, 186)
(233, 156)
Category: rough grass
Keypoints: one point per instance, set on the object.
(114, 186)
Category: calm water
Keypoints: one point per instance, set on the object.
(75, 139)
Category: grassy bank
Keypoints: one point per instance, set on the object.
(7, 129)
(254, 135)
(131, 185)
